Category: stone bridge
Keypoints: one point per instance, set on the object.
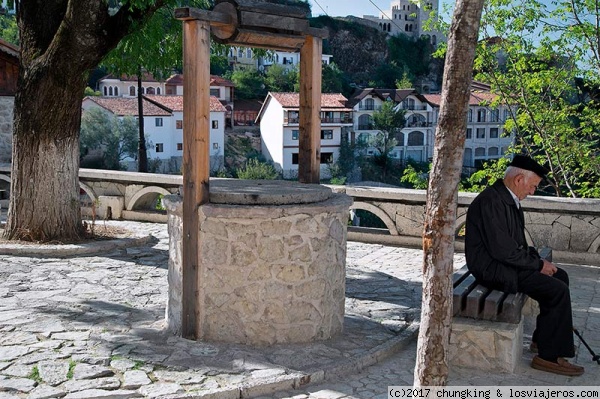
(571, 227)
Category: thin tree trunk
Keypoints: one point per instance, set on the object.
(431, 368)
(142, 154)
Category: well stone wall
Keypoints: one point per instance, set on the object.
(268, 273)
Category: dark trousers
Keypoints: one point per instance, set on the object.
(554, 327)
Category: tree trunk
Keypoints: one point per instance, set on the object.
(60, 42)
(142, 154)
(44, 193)
(431, 368)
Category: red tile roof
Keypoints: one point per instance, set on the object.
(477, 98)
(122, 106)
(9, 48)
(175, 103)
(215, 80)
(330, 101)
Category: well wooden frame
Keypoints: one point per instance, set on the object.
(248, 23)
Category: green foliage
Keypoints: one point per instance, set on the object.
(249, 84)
(9, 30)
(536, 71)
(219, 64)
(278, 78)
(116, 138)
(334, 80)
(257, 170)
(405, 82)
(156, 46)
(91, 92)
(486, 176)
(416, 175)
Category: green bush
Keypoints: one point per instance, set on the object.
(256, 170)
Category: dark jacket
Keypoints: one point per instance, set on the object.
(495, 244)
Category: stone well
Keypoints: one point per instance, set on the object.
(272, 263)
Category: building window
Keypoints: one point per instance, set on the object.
(132, 91)
(159, 147)
(240, 53)
(158, 91)
(481, 115)
(470, 115)
(416, 139)
(469, 133)
(494, 115)
(179, 146)
(249, 53)
(150, 90)
(480, 152)
(158, 122)
(493, 151)
(326, 157)
(215, 124)
(110, 91)
(295, 134)
(480, 133)
(506, 115)
(215, 92)
(327, 134)
(295, 159)
(179, 124)
(143, 90)
(494, 133)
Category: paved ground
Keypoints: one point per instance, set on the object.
(79, 324)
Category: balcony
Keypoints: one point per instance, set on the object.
(369, 107)
(368, 126)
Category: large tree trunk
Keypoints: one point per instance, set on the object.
(61, 41)
(431, 368)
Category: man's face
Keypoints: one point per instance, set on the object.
(526, 185)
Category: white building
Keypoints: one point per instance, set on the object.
(288, 60)
(279, 126)
(163, 127)
(408, 17)
(485, 136)
(415, 141)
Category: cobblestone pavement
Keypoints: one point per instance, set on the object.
(92, 326)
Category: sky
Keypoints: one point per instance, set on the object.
(358, 8)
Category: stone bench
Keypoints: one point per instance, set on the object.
(487, 327)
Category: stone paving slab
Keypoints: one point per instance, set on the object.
(92, 326)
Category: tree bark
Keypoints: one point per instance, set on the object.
(431, 368)
(61, 41)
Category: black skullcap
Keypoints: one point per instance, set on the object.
(527, 163)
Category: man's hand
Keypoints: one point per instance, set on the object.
(549, 268)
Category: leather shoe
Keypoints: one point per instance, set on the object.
(561, 366)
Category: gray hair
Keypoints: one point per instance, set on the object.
(512, 171)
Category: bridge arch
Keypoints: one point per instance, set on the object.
(145, 196)
(89, 191)
(389, 223)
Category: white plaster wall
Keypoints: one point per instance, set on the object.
(6, 127)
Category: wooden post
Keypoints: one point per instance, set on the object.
(309, 154)
(196, 162)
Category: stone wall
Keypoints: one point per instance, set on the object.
(269, 274)
(6, 128)
(570, 226)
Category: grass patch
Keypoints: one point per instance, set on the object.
(72, 365)
(35, 375)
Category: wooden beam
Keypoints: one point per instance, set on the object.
(215, 18)
(309, 155)
(196, 163)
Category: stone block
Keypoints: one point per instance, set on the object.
(110, 207)
(485, 345)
